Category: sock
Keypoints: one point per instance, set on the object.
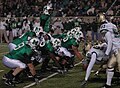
(110, 74)
(10, 72)
(10, 76)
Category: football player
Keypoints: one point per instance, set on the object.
(110, 33)
(62, 55)
(47, 50)
(23, 38)
(94, 55)
(45, 17)
(71, 41)
(18, 58)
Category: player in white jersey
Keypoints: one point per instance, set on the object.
(111, 36)
(94, 56)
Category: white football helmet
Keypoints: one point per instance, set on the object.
(78, 35)
(78, 29)
(73, 31)
(33, 42)
(46, 9)
(37, 30)
(56, 42)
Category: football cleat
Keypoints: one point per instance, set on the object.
(106, 86)
(9, 83)
(17, 80)
(4, 77)
(83, 84)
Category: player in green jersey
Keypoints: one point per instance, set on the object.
(25, 37)
(45, 17)
(18, 58)
(71, 41)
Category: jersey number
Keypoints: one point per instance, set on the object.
(19, 46)
(65, 39)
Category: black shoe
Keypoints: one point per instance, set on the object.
(9, 83)
(60, 71)
(17, 81)
(83, 84)
(4, 77)
(106, 86)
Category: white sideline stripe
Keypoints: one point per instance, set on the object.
(1, 70)
(34, 83)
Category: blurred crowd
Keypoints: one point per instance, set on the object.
(21, 8)
(15, 27)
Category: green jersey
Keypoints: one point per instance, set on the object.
(47, 47)
(68, 42)
(23, 37)
(22, 52)
(76, 23)
(13, 25)
(45, 22)
(60, 36)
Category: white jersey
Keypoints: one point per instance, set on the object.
(95, 56)
(99, 53)
(63, 52)
(109, 27)
(111, 37)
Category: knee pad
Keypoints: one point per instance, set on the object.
(22, 65)
(110, 69)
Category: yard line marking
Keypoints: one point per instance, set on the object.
(34, 83)
(1, 70)
(78, 63)
(50, 76)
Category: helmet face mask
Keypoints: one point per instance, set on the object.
(78, 36)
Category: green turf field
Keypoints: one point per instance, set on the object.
(72, 79)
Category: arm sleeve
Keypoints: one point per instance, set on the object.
(90, 66)
(109, 43)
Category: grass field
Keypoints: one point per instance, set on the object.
(72, 79)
